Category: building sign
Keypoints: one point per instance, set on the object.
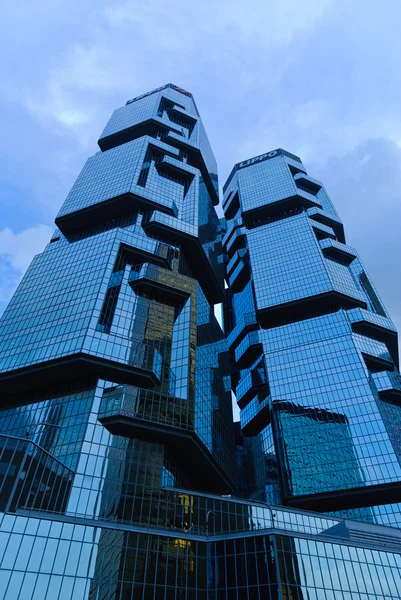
(163, 87)
(178, 89)
(258, 159)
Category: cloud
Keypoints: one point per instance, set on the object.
(322, 81)
(16, 253)
(264, 23)
(131, 46)
(339, 83)
(365, 186)
(19, 248)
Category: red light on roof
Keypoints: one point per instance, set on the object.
(175, 87)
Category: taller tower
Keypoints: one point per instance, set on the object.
(316, 353)
(115, 318)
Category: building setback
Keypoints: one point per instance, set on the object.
(122, 474)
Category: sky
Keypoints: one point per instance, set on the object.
(320, 78)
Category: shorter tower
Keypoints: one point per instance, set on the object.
(315, 351)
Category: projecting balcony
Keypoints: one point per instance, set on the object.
(115, 136)
(158, 283)
(158, 222)
(231, 205)
(286, 203)
(237, 241)
(240, 275)
(307, 184)
(131, 412)
(181, 113)
(123, 402)
(149, 360)
(170, 128)
(388, 385)
(338, 251)
(250, 384)
(247, 323)
(375, 354)
(375, 326)
(323, 231)
(180, 117)
(141, 368)
(249, 349)
(377, 363)
(329, 219)
(174, 167)
(232, 226)
(236, 258)
(306, 199)
(163, 253)
(186, 234)
(151, 251)
(195, 158)
(255, 416)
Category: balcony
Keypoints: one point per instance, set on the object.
(195, 157)
(375, 326)
(161, 223)
(248, 350)
(322, 231)
(285, 203)
(163, 285)
(237, 241)
(232, 226)
(236, 258)
(146, 358)
(329, 219)
(240, 275)
(247, 323)
(375, 354)
(130, 402)
(338, 251)
(186, 235)
(231, 205)
(131, 412)
(307, 184)
(250, 383)
(176, 168)
(255, 416)
(388, 385)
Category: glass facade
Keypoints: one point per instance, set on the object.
(122, 474)
(316, 358)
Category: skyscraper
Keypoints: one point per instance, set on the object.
(316, 352)
(119, 461)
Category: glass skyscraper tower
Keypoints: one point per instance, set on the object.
(122, 474)
(315, 351)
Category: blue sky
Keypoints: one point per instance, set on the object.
(319, 78)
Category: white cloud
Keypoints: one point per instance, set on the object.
(258, 21)
(18, 249)
(318, 79)
(365, 186)
(131, 46)
(16, 253)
